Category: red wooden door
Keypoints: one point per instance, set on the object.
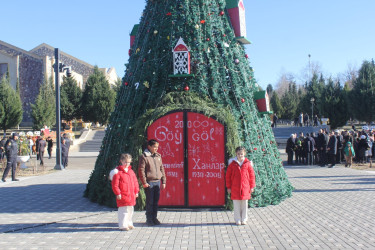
(200, 172)
(168, 131)
(206, 147)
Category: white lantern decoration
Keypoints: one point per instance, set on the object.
(181, 58)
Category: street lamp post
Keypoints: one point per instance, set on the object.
(59, 165)
(312, 100)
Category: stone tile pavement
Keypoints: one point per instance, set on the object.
(330, 209)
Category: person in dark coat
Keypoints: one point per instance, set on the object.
(41, 148)
(340, 147)
(64, 153)
(316, 121)
(37, 147)
(2, 148)
(308, 147)
(315, 151)
(306, 119)
(11, 150)
(321, 145)
(362, 147)
(290, 147)
(332, 149)
(49, 146)
(275, 118)
(299, 151)
(67, 143)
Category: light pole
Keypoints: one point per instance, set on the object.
(309, 71)
(59, 67)
(312, 100)
(58, 166)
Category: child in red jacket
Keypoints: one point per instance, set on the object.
(126, 188)
(240, 182)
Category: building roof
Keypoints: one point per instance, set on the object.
(17, 49)
(44, 45)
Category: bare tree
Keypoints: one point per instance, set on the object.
(349, 76)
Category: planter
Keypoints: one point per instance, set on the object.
(23, 159)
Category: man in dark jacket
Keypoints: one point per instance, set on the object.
(308, 145)
(332, 149)
(49, 146)
(11, 150)
(290, 147)
(41, 148)
(321, 145)
(152, 175)
(67, 143)
(64, 152)
(340, 146)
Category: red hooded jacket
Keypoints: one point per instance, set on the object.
(126, 184)
(240, 179)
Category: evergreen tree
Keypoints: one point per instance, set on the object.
(314, 89)
(11, 105)
(117, 86)
(44, 110)
(334, 104)
(276, 105)
(362, 94)
(98, 98)
(269, 89)
(71, 99)
(289, 102)
(220, 84)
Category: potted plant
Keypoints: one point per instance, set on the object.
(23, 151)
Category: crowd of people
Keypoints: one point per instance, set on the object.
(330, 148)
(9, 150)
(302, 120)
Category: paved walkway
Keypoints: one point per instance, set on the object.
(330, 209)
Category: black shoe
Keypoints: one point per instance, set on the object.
(150, 223)
(4, 180)
(15, 180)
(157, 222)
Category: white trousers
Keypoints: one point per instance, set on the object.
(125, 216)
(240, 210)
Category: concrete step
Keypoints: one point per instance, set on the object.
(93, 141)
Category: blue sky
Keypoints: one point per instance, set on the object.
(336, 33)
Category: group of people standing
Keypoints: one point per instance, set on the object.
(9, 149)
(332, 148)
(240, 183)
(303, 120)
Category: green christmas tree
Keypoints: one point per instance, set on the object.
(220, 84)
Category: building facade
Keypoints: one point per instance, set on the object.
(30, 68)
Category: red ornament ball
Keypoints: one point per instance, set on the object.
(186, 88)
(126, 83)
(221, 13)
(255, 148)
(242, 100)
(246, 56)
(203, 21)
(208, 39)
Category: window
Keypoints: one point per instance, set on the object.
(3, 69)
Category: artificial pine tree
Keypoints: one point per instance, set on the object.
(212, 77)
